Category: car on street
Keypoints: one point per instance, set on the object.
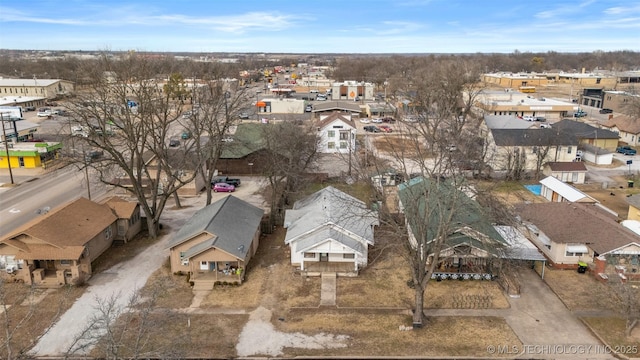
(386, 128)
(626, 150)
(579, 114)
(376, 120)
(606, 111)
(223, 187)
(174, 143)
(185, 135)
(308, 108)
(365, 121)
(372, 128)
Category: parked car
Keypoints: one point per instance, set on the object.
(308, 108)
(579, 114)
(93, 155)
(372, 128)
(540, 119)
(226, 180)
(376, 121)
(365, 121)
(606, 111)
(528, 118)
(313, 91)
(185, 135)
(174, 142)
(389, 120)
(545, 126)
(244, 115)
(386, 128)
(223, 187)
(30, 108)
(626, 150)
(44, 112)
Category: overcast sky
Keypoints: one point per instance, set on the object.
(321, 26)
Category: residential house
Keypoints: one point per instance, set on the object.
(129, 222)
(587, 134)
(570, 172)
(568, 233)
(556, 190)
(634, 207)
(217, 243)
(533, 147)
(472, 246)
(59, 247)
(337, 133)
(330, 230)
(245, 152)
(627, 127)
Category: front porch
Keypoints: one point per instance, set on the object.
(211, 273)
(316, 268)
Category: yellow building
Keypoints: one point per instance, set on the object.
(48, 88)
(29, 154)
(515, 80)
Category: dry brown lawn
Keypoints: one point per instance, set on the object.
(611, 329)
(400, 145)
(379, 334)
(26, 322)
(579, 292)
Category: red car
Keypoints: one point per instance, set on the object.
(385, 128)
(223, 187)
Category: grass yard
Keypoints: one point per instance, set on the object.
(579, 292)
(611, 329)
(379, 334)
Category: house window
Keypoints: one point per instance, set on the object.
(569, 149)
(204, 265)
(348, 256)
(343, 144)
(183, 260)
(567, 253)
(331, 133)
(344, 135)
(108, 232)
(309, 255)
(65, 262)
(574, 177)
(331, 145)
(534, 149)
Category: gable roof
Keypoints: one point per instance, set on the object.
(328, 209)
(624, 123)
(336, 116)
(532, 137)
(232, 222)
(123, 209)
(425, 202)
(507, 122)
(583, 130)
(566, 191)
(73, 224)
(633, 200)
(565, 222)
(574, 166)
(247, 139)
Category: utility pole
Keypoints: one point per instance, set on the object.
(6, 147)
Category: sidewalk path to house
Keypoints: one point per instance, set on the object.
(122, 280)
(547, 329)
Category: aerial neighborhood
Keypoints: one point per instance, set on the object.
(284, 205)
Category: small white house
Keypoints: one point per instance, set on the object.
(337, 133)
(330, 229)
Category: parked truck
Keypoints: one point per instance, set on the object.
(226, 180)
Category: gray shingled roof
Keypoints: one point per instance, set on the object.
(583, 130)
(329, 208)
(232, 221)
(532, 137)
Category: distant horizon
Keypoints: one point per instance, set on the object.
(294, 27)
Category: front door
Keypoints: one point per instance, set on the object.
(20, 161)
(324, 257)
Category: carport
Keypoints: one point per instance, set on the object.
(519, 247)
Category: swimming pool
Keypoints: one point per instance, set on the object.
(536, 189)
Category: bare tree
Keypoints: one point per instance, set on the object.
(127, 117)
(23, 319)
(627, 297)
(133, 328)
(291, 152)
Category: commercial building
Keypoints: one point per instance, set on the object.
(47, 88)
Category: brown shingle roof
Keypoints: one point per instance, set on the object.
(71, 225)
(336, 116)
(624, 123)
(122, 208)
(567, 222)
(567, 166)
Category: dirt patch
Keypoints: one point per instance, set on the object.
(614, 198)
(401, 145)
(611, 329)
(579, 292)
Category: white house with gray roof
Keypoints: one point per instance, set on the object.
(330, 231)
(216, 244)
